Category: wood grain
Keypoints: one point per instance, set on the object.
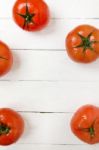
(61, 8)
(51, 147)
(48, 96)
(44, 85)
(36, 65)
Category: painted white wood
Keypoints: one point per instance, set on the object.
(48, 96)
(61, 8)
(51, 66)
(52, 37)
(51, 147)
(44, 79)
(48, 129)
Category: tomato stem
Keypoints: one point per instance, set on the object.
(86, 43)
(28, 17)
(92, 132)
(4, 129)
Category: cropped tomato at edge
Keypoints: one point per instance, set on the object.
(6, 59)
(31, 15)
(82, 44)
(85, 124)
(11, 126)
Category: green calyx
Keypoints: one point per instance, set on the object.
(4, 129)
(89, 130)
(86, 43)
(28, 17)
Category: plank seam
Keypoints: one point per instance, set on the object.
(47, 144)
(42, 112)
(51, 81)
(78, 18)
(38, 49)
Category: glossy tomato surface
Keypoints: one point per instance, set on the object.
(85, 124)
(31, 15)
(82, 44)
(6, 59)
(11, 126)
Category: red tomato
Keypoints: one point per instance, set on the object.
(82, 44)
(85, 124)
(31, 15)
(6, 59)
(11, 126)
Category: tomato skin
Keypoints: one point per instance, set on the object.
(85, 121)
(6, 59)
(12, 119)
(73, 40)
(38, 7)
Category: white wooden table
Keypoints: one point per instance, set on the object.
(45, 86)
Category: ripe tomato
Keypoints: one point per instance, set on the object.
(82, 44)
(31, 15)
(11, 126)
(85, 124)
(6, 59)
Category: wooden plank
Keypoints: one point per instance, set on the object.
(52, 37)
(50, 66)
(40, 129)
(61, 8)
(51, 147)
(48, 96)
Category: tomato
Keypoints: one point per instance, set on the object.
(82, 44)
(85, 124)
(11, 126)
(6, 59)
(31, 15)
